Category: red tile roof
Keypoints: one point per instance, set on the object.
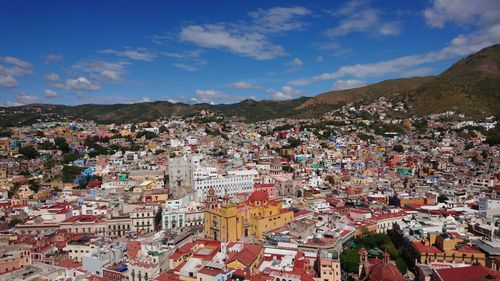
(422, 249)
(247, 255)
(475, 272)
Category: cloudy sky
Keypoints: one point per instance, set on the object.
(74, 52)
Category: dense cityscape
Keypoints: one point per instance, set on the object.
(353, 140)
(350, 195)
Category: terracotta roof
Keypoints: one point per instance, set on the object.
(383, 271)
(167, 276)
(422, 249)
(247, 255)
(258, 196)
(475, 272)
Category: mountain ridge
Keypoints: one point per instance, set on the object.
(470, 86)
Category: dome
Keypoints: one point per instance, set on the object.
(211, 191)
(384, 271)
(257, 196)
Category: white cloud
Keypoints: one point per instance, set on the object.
(183, 54)
(56, 85)
(141, 54)
(358, 16)
(285, 93)
(214, 97)
(485, 13)
(186, 60)
(16, 62)
(348, 84)
(319, 58)
(208, 94)
(81, 83)
(218, 36)
(248, 38)
(102, 70)
(278, 95)
(297, 62)
(289, 90)
(145, 99)
(242, 85)
(24, 98)
(52, 77)
(10, 68)
(49, 93)
(8, 81)
(279, 19)
(458, 47)
(51, 58)
(186, 67)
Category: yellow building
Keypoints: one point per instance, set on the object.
(254, 217)
(445, 248)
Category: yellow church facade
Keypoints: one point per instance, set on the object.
(253, 218)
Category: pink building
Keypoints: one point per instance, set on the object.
(268, 188)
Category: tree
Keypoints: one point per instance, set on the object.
(69, 173)
(288, 169)
(5, 133)
(70, 157)
(293, 142)
(162, 129)
(330, 179)
(13, 222)
(149, 135)
(442, 198)
(61, 144)
(493, 136)
(29, 151)
(13, 190)
(398, 148)
(46, 145)
(484, 154)
(34, 186)
(469, 146)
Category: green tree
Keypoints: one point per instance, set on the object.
(69, 173)
(330, 179)
(34, 186)
(70, 157)
(61, 144)
(493, 135)
(398, 148)
(442, 198)
(29, 151)
(13, 222)
(293, 142)
(469, 146)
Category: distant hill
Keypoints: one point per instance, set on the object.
(470, 86)
(247, 110)
(370, 92)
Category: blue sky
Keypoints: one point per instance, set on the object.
(75, 52)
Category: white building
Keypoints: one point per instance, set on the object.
(178, 214)
(320, 205)
(489, 205)
(231, 183)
